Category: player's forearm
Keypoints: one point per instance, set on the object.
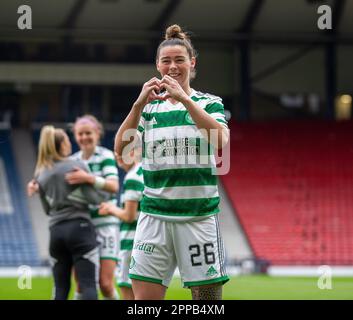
(111, 185)
(213, 131)
(122, 214)
(124, 136)
(116, 212)
(100, 183)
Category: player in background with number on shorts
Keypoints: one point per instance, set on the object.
(128, 214)
(103, 176)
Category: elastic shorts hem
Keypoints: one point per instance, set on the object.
(223, 279)
(124, 284)
(147, 279)
(186, 217)
(108, 258)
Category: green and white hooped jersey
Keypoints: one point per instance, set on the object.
(133, 188)
(101, 164)
(178, 164)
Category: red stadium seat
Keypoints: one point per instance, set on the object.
(291, 184)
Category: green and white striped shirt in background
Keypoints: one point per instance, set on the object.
(178, 164)
(133, 188)
(101, 164)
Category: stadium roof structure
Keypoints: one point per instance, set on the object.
(137, 20)
(264, 45)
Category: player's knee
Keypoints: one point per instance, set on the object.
(127, 293)
(143, 295)
(106, 285)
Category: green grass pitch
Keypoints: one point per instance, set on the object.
(256, 287)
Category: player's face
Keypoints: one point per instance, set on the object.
(175, 62)
(65, 147)
(86, 137)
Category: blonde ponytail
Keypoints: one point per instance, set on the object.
(49, 148)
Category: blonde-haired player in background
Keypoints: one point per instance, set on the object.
(72, 235)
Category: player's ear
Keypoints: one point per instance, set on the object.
(157, 66)
(193, 63)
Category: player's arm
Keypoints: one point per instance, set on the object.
(202, 119)
(42, 197)
(127, 214)
(81, 176)
(127, 130)
(111, 185)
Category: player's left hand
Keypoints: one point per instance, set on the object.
(105, 208)
(174, 90)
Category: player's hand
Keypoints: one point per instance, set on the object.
(174, 89)
(79, 176)
(150, 91)
(32, 187)
(106, 208)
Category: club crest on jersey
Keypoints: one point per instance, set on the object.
(188, 119)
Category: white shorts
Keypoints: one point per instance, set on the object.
(109, 242)
(122, 274)
(195, 247)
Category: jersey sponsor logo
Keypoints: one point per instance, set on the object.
(175, 147)
(147, 248)
(211, 271)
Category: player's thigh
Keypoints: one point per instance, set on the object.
(81, 236)
(200, 252)
(127, 293)
(58, 236)
(107, 270)
(109, 242)
(123, 279)
(153, 258)
(148, 290)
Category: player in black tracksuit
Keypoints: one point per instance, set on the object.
(72, 235)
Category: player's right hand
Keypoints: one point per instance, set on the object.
(150, 91)
(32, 187)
